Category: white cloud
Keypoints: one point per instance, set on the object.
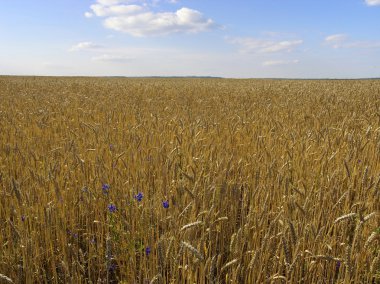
(282, 46)
(104, 11)
(85, 45)
(112, 2)
(141, 20)
(88, 15)
(342, 41)
(183, 21)
(112, 58)
(156, 2)
(254, 45)
(279, 62)
(335, 40)
(362, 44)
(373, 2)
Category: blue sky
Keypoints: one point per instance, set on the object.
(239, 39)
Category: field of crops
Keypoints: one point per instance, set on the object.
(112, 180)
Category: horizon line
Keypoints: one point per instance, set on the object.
(194, 77)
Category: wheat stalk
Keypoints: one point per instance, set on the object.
(4, 279)
(345, 217)
(195, 252)
(191, 225)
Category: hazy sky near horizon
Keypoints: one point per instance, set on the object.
(251, 38)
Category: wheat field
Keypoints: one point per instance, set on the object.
(114, 180)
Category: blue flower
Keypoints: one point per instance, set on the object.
(147, 251)
(112, 267)
(71, 234)
(165, 204)
(106, 187)
(112, 208)
(139, 196)
(23, 218)
(337, 265)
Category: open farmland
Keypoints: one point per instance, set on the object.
(189, 181)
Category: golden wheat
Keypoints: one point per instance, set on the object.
(189, 180)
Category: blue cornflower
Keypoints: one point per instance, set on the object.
(72, 234)
(112, 208)
(112, 267)
(23, 218)
(165, 204)
(139, 196)
(147, 251)
(337, 265)
(106, 188)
